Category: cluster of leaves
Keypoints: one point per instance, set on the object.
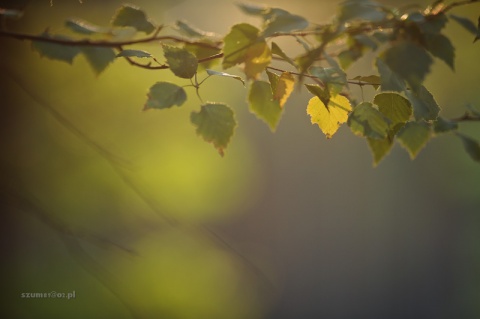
(405, 43)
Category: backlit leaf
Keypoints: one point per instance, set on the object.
(215, 123)
(262, 104)
(202, 52)
(257, 58)
(374, 80)
(394, 106)
(131, 16)
(472, 147)
(284, 88)
(56, 51)
(284, 22)
(134, 53)
(98, 58)
(424, 105)
(367, 121)
(329, 119)
(441, 47)
(389, 80)
(181, 62)
(237, 42)
(84, 27)
(165, 95)
(379, 148)
(413, 137)
(236, 77)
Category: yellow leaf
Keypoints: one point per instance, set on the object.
(329, 119)
(284, 88)
(257, 58)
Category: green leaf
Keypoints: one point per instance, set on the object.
(434, 23)
(283, 21)
(215, 123)
(389, 80)
(441, 47)
(191, 31)
(424, 105)
(442, 125)
(348, 56)
(467, 24)
(335, 79)
(278, 51)
(413, 70)
(366, 121)
(131, 16)
(379, 148)
(329, 117)
(134, 53)
(202, 52)
(322, 94)
(181, 62)
(362, 10)
(262, 104)
(282, 86)
(84, 27)
(257, 58)
(306, 60)
(237, 43)
(472, 147)
(253, 9)
(394, 106)
(164, 95)
(236, 77)
(414, 136)
(56, 51)
(374, 80)
(98, 58)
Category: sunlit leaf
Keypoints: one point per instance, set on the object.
(257, 58)
(99, 58)
(236, 77)
(334, 78)
(442, 125)
(237, 42)
(279, 52)
(441, 47)
(413, 70)
(394, 106)
(165, 95)
(131, 16)
(181, 62)
(379, 148)
(284, 22)
(367, 121)
(389, 80)
(203, 52)
(472, 147)
(424, 105)
(414, 136)
(261, 103)
(215, 123)
(134, 53)
(329, 119)
(284, 88)
(84, 27)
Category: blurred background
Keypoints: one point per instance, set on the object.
(143, 219)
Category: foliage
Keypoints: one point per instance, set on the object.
(406, 42)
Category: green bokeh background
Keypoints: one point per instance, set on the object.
(286, 225)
